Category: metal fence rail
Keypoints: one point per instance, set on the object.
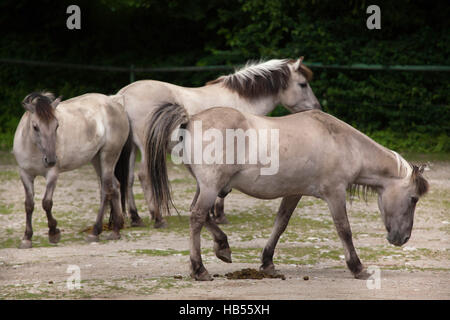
(132, 70)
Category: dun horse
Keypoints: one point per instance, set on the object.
(257, 88)
(54, 136)
(319, 156)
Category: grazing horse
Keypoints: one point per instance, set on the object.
(319, 156)
(257, 88)
(55, 136)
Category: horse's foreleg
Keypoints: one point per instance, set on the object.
(54, 235)
(336, 203)
(198, 218)
(287, 207)
(221, 246)
(155, 214)
(28, 184)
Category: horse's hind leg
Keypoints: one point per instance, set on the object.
(54, 235)
(136, 221)
(194, 201)
(28, 184)
(221, 246)
(109, 194)
(155, 214)
(336, 203)
(114, 194)
(287, 207)
(198, 218)
(219, 214)
(98, 226)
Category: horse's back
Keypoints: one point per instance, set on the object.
(312, 145)
(92, 102)
(147, 91)
(223, 118)
(140, 99)
(89, 123)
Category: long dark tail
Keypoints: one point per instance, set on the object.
(122, 169)
(165, 119)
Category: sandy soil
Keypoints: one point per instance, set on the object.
(154, 264)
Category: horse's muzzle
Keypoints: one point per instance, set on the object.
(49, 162)
(396, 239)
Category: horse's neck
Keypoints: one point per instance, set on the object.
(23, 144)
(379, 165)
(215, 95)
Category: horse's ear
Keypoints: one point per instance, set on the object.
(298, 63)
(29, 106)
(56, 102)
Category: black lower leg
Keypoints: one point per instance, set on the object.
(29, 207)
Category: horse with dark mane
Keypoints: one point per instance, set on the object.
(257, 88)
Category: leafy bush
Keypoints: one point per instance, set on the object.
(402, 110)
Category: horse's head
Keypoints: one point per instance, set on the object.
(298, 95)
(43, 124)
(397, 203)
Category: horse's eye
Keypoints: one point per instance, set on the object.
(303, 84)
(36, 128)
(414, 200)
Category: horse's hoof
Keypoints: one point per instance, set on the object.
(25, 244)
(203, 276)
(113, 236)
(137, 223)
(221, 220)
(362, 275)
(55, 237)
(224, 255)
(92, 238)
(269, 269)
(160, 224)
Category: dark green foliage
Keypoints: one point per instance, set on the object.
(402, 110)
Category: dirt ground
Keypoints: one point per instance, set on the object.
(150, 263)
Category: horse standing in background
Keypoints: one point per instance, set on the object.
(54, 136)
(257, 89)
(318, 156)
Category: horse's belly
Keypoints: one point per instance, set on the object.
(272, 187)
(74, 155)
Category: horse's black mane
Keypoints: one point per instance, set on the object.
(360, 189)
(257, 80)
(42, 102)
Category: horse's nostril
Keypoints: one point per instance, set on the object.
(406, 240)
(49, 163)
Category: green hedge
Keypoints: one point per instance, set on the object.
(400, 109)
